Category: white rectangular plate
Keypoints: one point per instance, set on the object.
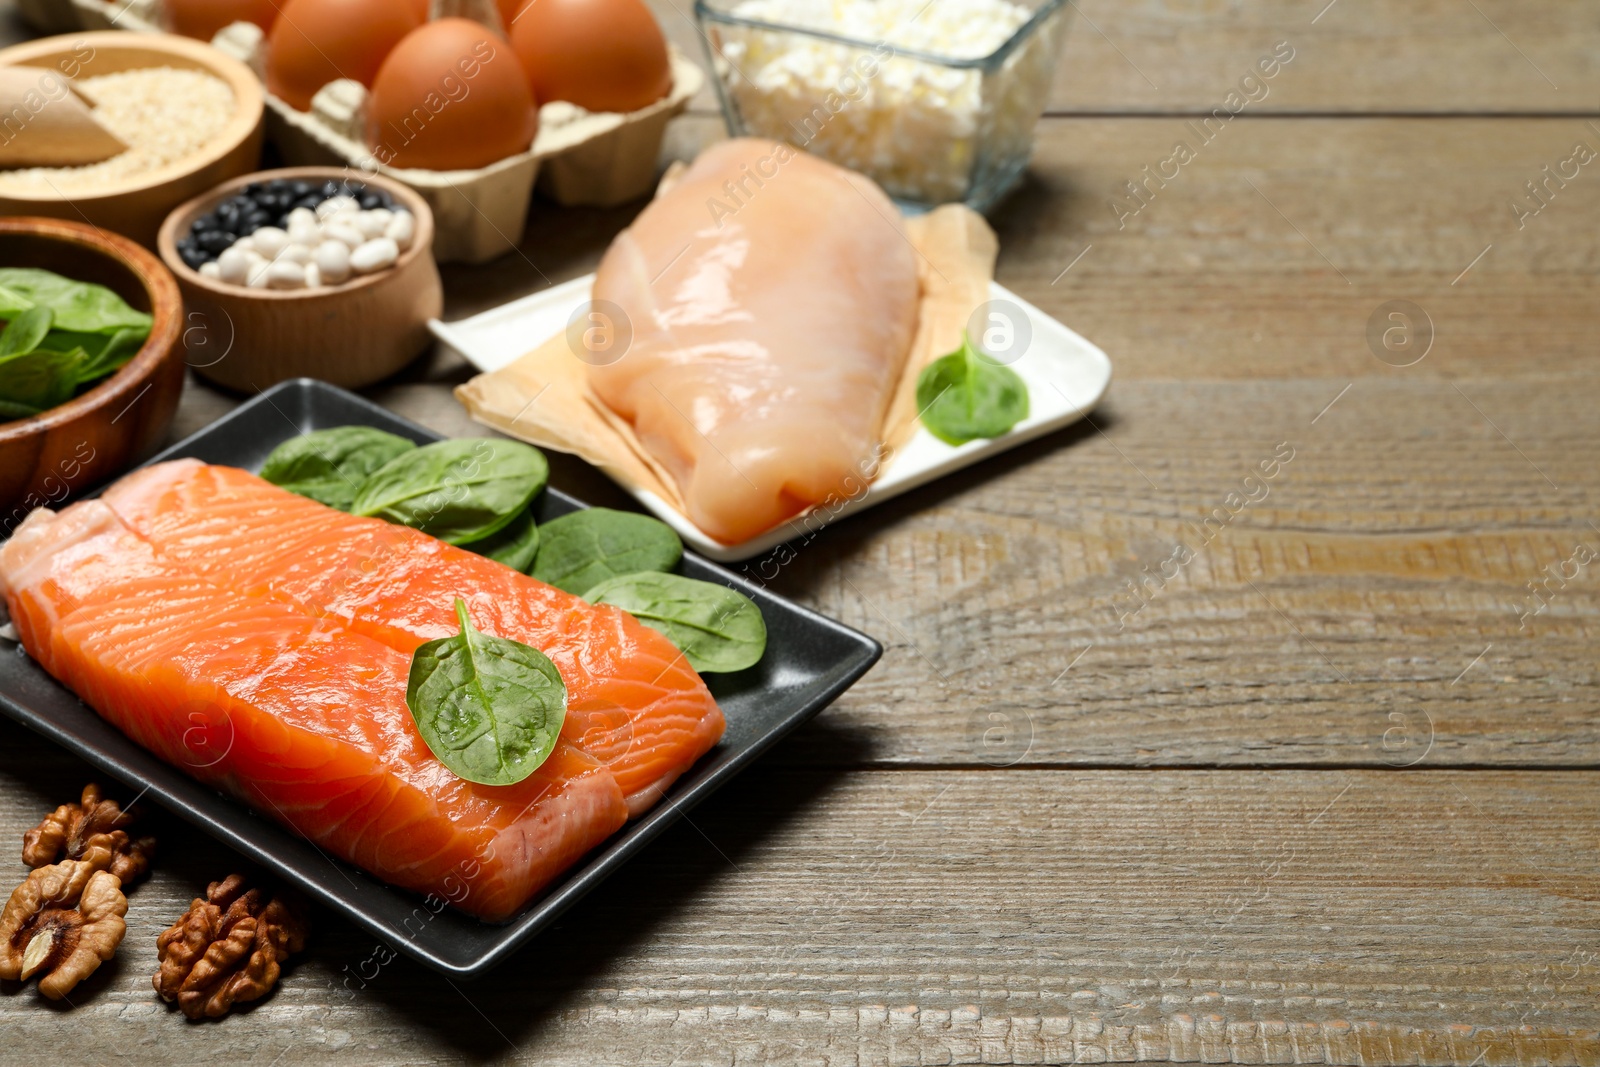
(1065, 374)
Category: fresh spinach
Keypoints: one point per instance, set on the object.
(25, 332)
(580, 550)
(459, 491)
(78, 306)
(966, 395)
(490, 709)
(104, 353)
(717, 628)
(330, 466)
(39, 379)
(61, 335)
(515, 544)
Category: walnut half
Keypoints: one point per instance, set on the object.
(72, 829)
(226, 949)
(62, 922)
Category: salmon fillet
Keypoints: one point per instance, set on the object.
(772, 298)
(633, 702)
(296, 714)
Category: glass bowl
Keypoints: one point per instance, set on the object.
(930, 128)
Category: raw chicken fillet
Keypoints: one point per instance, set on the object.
(772, 299)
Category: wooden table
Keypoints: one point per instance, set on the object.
(1328, 791)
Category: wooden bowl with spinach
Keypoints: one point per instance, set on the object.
(90, 367)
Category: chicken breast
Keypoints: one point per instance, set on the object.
(772, 299)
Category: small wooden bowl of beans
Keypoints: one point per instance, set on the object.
(317, 272)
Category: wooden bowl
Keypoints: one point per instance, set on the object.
(49, 457)
(351, 334)
(135, 206)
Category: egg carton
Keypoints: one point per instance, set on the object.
(578, 158)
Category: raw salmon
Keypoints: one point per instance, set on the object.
(634, 703)
(772, 298)
(293, 712)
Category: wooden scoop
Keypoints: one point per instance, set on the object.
(44, 123)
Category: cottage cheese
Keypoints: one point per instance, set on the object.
(925, 131)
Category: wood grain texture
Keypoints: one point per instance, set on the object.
(1350, 56)
(807, 917)
(1325, 796)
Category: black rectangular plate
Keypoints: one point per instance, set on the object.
(810, 660)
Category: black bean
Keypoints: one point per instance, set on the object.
(256, 218)
(194, 258)
(370, 201)
(330, 189)
(300, 188)
(215, 241)
(308, 202)
(278, 185)
(252, 189)
(205, 224)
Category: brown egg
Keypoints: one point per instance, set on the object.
(603, 55)
(318, 41)
(202, 19)
(451, 96)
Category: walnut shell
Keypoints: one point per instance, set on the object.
(226, 949)
(62, 922)
(72, 829)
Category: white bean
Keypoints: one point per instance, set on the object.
(270, 241)
(335, 204)
(244, 244)
(303, 232)
(313, 276)
(402, 229)
(295, 253)
(349, 235)
(375, 255)
(333, 261)
(301, 216)
(285, 275)
(210, 270)
(258, 274)
(233, 265)
(374, 223)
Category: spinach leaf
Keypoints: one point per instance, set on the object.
(717, 628)
(105, 353)
(459, 491)
(10, 409)
(515, 544)
(966, 395)
(12, 303)
(39, 379)
(580, 550)
(329, 466)
(490, 709)
(78, 306)
(25, 332)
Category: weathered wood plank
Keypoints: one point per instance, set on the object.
(961, 917)
(1438, 56)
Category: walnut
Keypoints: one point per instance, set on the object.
(72, 829)
(62, 922)
(226, 949)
